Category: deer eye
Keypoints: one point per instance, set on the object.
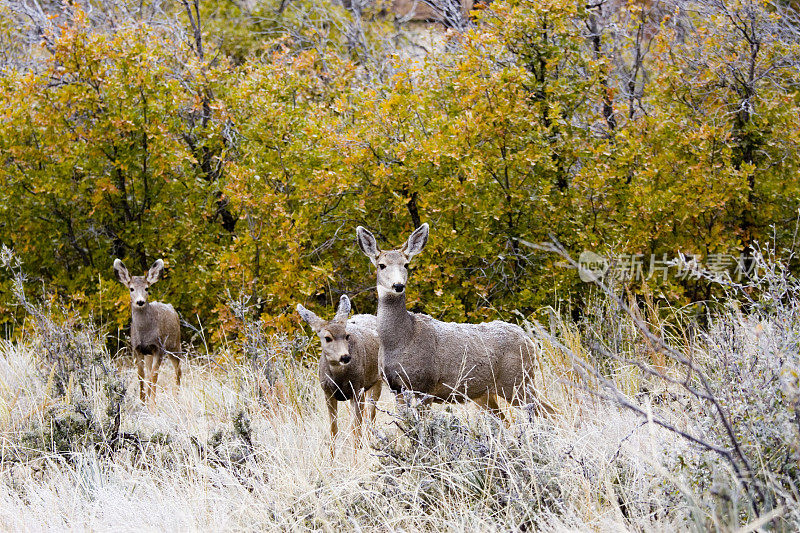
(405, 266)
(347, 337)
(131, 289)
(381, 266)
(328, 339)
(147, 289)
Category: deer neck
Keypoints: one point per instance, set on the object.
(395, 325)
(141, 316)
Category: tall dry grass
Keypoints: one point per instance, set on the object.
(243, 446)
(213, 456)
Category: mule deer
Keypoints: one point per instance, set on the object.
(155, 329)
(445, 361)
(348, 365)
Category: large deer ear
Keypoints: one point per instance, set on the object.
(344, 309)
(416, 242)
(122, 273)
(154, 274)
(313, 320)
(368, 244)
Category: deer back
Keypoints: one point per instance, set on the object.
(452, 361)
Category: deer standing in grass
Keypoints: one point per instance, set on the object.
(348, 365)
(446, 361)
(155, 329)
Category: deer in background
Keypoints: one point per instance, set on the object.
(348, 365)
(446, 361)
(155, 329)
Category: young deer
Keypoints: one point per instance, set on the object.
(155, 329)
(445, 361)
(348, 366)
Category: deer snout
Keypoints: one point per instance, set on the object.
(140, 303)
(345, 359)
(399, 287)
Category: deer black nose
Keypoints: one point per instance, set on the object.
(345, 359)
(140, 303)
(398, 287)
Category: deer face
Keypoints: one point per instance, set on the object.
(335, 343)
(392, 265)
(332, 334)
(139, 289)
(138, 285)
(392, 271)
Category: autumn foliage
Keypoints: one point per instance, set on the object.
(246, 153)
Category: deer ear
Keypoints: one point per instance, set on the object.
(313, 320)
(344, 309)
(417, 241)
(122, 273)
(368, 244)
(154, 274)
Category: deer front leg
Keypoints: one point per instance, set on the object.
(140, 370)
(332, 407)
(156, 364)
(356, 405)
(372, 396)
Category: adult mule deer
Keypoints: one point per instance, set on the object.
(155, 329)
(348, 365)
(446, 361)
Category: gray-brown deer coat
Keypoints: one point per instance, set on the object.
(348, 363)
(155, 329)
(446, 361)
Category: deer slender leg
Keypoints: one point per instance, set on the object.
(372, 397)
(176, 362)
(333, 404)
(156, 364)
(356, 404)
(541, 406)
(494, 407)
(140, 370)
(489, 402)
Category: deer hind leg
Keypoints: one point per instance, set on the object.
(176, 363)
(538, 404)
(489, 402)
(494, 407)
(543, 407)
(140, 371)
(333, 404)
